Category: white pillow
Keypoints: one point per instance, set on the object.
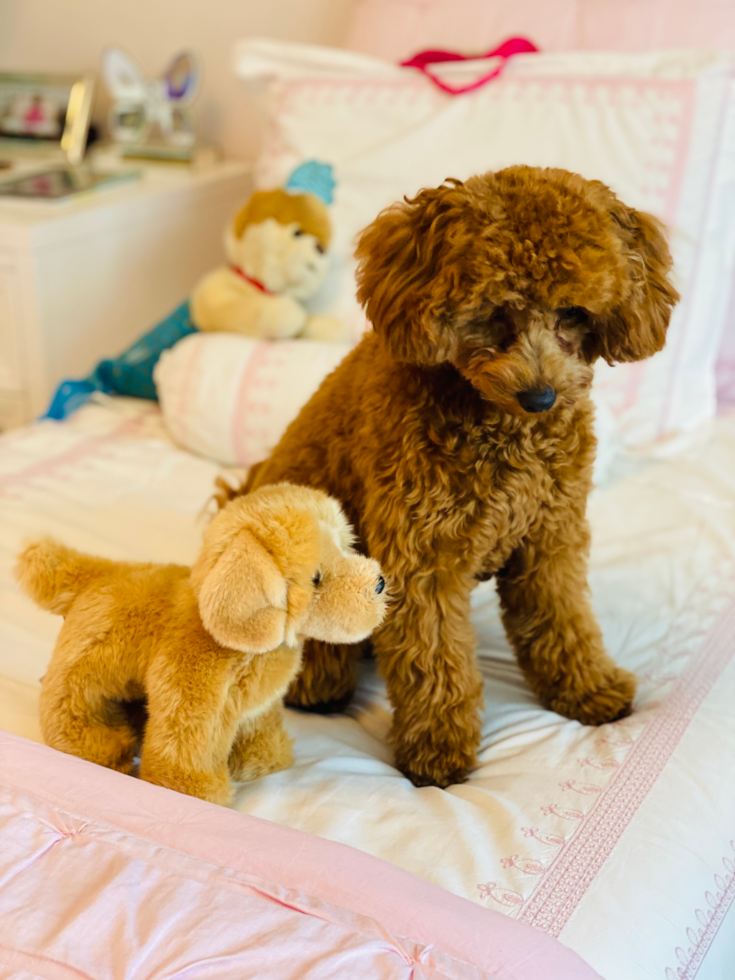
(231, 398)
(658, 128)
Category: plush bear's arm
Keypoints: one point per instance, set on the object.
(320, 327)
(224, 301)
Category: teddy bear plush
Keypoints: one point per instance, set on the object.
(211, 648)
(277, 249)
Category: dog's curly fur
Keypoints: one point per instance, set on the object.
(479, 291)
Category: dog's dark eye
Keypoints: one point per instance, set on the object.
(317, 578)
(499, 332)
(577, 314)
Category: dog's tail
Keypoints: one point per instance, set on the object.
(54, 575)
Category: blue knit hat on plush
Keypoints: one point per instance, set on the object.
(314, 178)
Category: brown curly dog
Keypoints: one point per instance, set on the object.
(459, 438)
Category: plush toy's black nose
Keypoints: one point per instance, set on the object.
(380, 586)
(537, 399)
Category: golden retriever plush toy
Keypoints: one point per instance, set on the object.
(458, 435)
(277, 248)
(212, 649)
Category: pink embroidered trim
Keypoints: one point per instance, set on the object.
(191, 369)
(686, 92)
(249, 412)
(688, 311)
(720, 902)
(576, 866)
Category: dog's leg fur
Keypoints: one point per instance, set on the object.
(426, 652)
(327, 679)
(550, 623)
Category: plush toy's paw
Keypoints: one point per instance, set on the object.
(213, 786)
(279, 318)
(263, 753)
(609, 699)
(319, 327)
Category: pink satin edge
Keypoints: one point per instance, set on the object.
(348, 880)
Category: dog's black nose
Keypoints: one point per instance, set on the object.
(537, 399)
(381, 585)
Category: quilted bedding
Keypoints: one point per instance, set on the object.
(617, 842)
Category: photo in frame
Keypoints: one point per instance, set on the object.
(45, 111)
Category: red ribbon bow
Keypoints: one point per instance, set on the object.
(515, 45)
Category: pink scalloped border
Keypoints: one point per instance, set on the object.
(720, 902)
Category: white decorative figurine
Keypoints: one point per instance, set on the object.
(141, 106)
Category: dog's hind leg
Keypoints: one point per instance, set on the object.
(327, 679)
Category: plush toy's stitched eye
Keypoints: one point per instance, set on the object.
(297, 232)
(317, 578)
(320, 248)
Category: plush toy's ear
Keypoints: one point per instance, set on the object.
(243, 597)
(637, 327)
(253, 577)
(397, 278)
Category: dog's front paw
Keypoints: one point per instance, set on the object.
(608, 698)
(432, 763)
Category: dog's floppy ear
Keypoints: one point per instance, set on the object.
(243, 597)
(637, 327)
(398, 258)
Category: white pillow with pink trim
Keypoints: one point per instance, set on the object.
(658, 128)
(231, 398)
(396, 29)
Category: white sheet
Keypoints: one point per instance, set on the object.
(616, 840)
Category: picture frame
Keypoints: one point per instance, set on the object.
(45, 111)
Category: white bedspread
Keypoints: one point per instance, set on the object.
(619, 841)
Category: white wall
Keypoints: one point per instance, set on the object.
(69, 36)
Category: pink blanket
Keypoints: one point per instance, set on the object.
(105, 876)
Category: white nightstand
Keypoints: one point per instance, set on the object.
(81, 280)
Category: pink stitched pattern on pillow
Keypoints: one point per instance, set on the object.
(253, 406)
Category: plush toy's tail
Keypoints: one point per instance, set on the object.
(53, 575)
